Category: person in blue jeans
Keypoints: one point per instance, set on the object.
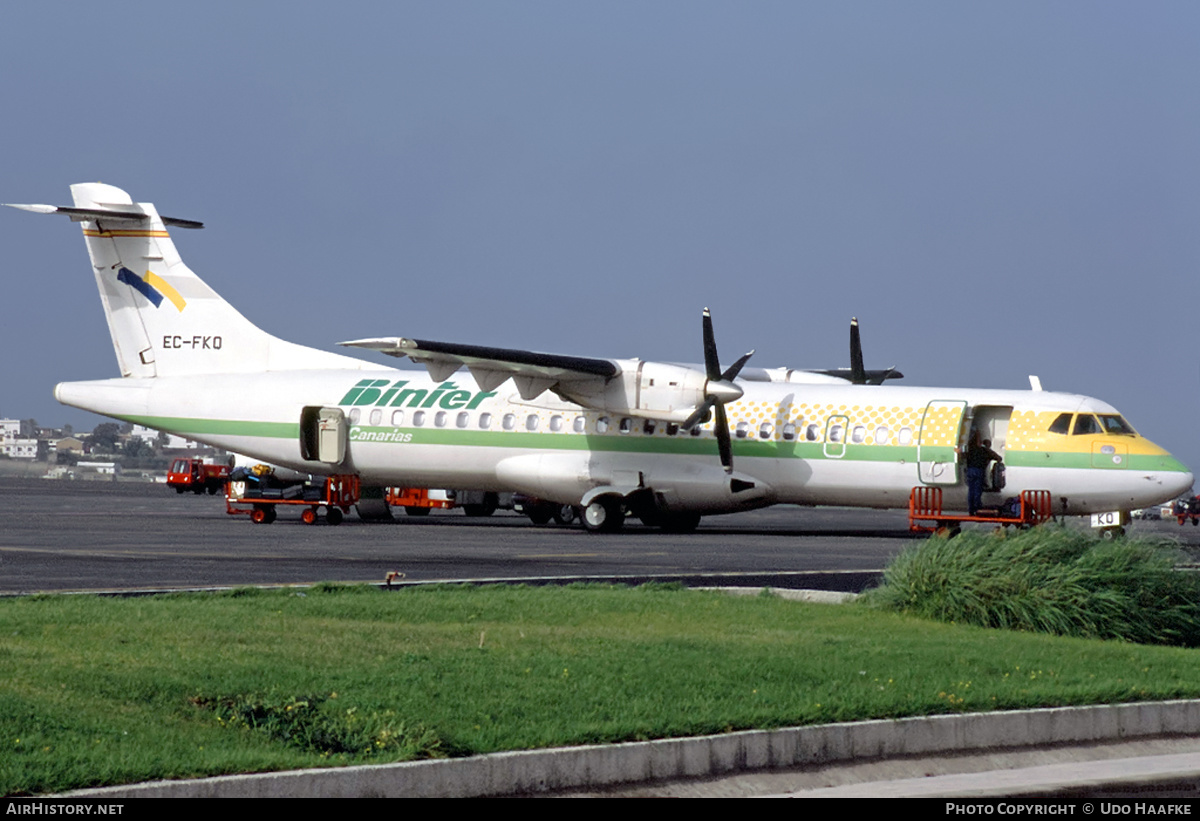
(979, 456)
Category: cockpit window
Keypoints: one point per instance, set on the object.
(1061, 425)
(1085, 423)
(1115, 423)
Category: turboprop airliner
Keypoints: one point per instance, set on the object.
(666, 442)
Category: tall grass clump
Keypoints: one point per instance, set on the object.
(1049, 580)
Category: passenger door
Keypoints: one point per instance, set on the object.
(938, 441)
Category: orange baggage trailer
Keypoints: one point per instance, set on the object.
(925, 514)
(337, 495)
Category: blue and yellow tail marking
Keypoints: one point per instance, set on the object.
(152, 287)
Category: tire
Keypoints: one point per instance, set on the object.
(179, 489)
(539, 514)
(333, 516)
(604, 515)
(309, 516)
(680, 523)
(416, 511)
(270, 515)
(258, 515)
(566, 515)
(486, 508)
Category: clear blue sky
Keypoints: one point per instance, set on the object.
(995, 189)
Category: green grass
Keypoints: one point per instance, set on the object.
(1052, 580)
(105, 691)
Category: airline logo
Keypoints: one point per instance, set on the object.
(384, 392)
(152, 287)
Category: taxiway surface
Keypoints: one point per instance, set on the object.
(60, 535)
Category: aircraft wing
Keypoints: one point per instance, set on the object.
(532, 372)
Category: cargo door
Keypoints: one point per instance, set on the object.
(323, 435)
(938, 441)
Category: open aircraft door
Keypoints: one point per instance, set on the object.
(323, 435)
(938, 442)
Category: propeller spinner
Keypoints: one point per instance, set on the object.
(719, 389)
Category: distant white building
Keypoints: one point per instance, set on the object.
(150, 436)
(12, 444)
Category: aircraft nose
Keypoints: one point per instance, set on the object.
(1177, 483)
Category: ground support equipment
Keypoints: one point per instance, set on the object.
(416, 501)
(337, 495)
(925, 514)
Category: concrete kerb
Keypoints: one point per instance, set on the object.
(601, 765)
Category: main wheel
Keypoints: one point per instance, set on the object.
(604, 515)
(539, 514)
(680, 523)
(566, 514)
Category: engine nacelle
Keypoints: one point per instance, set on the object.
(648, 390)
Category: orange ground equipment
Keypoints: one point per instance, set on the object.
(337, 494)
(925, 514)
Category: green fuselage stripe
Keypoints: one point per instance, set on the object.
(682, 444)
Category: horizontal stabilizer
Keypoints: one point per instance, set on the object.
(122, 213)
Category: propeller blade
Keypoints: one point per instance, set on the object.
(724, 446)
(712, 364)
(858, 374)
(698, 416)
(736, 367)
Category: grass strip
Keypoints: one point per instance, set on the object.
(1049, 579)
(107, 691)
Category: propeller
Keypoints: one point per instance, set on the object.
(719, 389)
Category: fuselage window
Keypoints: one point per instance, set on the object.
(905, 437)
(418, 418)
(882, 435)
(602, 424)
(648, 427)
(1085, 423)
(376, 416)
(397, 418)
(556, 423)
(354, 414)
(531, 422)
(835, 433)
(789, 432)
(510, 421)
(813, 432)
(1061, 424)
(485, 420)
(858, 435)
(439, 419)
(626, 424)
(740, 432)
(579, 424)
(463, 419)
(765, 430)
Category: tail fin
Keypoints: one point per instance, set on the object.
(164, 320)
